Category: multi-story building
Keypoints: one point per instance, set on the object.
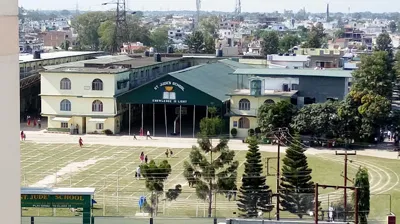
(322, 58)
(83, 97)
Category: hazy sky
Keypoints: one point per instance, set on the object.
(223, 5)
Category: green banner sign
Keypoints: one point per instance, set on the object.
(55, 201)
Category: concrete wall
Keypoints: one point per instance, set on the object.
(322, 88)
(9, 94)
(277, 83)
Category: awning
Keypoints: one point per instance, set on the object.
(62, 119)
(98, 120)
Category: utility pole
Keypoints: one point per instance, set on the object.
(120, 24)
(345, 179)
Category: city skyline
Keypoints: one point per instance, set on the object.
(221, 5)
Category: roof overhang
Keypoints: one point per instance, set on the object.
(61, 119)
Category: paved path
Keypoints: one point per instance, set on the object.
(235, 144)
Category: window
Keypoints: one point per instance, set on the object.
(99, 126)
(97, 106)
(255, 88)
(64, 124)
(269, 101)
(65, 105)
(65, 83)
(244, 122)
(97, 84)
(244, 104)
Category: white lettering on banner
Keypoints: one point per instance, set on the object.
(169, 83)
(168, 101)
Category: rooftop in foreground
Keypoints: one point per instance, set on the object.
(336, 73)
(87, 70)
(53, 55)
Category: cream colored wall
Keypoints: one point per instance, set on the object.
(253, 61)
(79, 106)
(243, 132)
(81, 84)
(255, 103)
(109, 123)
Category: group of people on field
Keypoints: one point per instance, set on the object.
(148, 135)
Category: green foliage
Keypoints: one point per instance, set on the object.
(296, 188)
(159, 39)
(288, 41)
(65, 45)
(318, 119)
(315, 37)
(108, 132)
(250, 132)
(362, 182)
(172, 194)
(396, 66)
(209, 44)
(270, 44)
(107, 38)
(155, 175)
(207, 173)
(373, 75)
(209, 25)
(392, 26)
(255, 194)
(87, 26)
(271, 116)
(234, 132)
(195, 42)
(383, 42)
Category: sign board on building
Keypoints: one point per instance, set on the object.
(55, 201)
(170, 93)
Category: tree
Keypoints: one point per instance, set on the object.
(209, 44)
(315, 36)
(288, 42)
(209, 25)
(393, 26)
(255, 195)
(362, 182)
(65, 13)
(396, 67)
(207, 173)
(65, 45)
(373, 75)
(155, 176)
(383, 42)
(107, 38)
(270, 43)
(318, 119)
(159, 39)
(271, 116)
(195, 42)
(296, 188)
(87, 26)
(339, 33)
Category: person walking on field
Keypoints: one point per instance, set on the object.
(141, 157)
(148, 135)
(22, 135)
(145, 159)
(80, 142)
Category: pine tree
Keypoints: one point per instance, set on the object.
(362, 182)
(255, 195)
(296, 188)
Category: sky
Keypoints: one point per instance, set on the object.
(221, 5)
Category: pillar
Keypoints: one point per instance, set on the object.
(194, 119)
(180, 121)
(9, 95)
(129, 119)
(142, 122)
(166, 121)
(154, 120)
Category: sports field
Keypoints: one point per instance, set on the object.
(110, 169)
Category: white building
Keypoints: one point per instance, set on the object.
(291, 61)
(83, 96)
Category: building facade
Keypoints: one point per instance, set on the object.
(83, 98)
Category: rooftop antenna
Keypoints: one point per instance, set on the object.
(120, 21)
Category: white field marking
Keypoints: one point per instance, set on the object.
(124, 167)
(74, 152)
(69, 169)
(49, 158)
(141, 189)
(133, 151)
(393, 186)
(132, 171)
(98, 171)
(31, 151)
(61, 158)
(43, 158)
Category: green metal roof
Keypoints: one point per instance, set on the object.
(294, 72)
(213, 79)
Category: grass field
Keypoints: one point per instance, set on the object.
(111, 171)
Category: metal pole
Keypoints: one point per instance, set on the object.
(154, 120)
(345, 185)
(142, 118)
(278, 175)
(316, 204)
(180, 121)
(194, 119)
(165, 116)
(206, 111)
(118, 193)
(356, 206)
(129, 119)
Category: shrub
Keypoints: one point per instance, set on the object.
(108, 132)
(251, 132)
(257, 130)
(234, 132)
